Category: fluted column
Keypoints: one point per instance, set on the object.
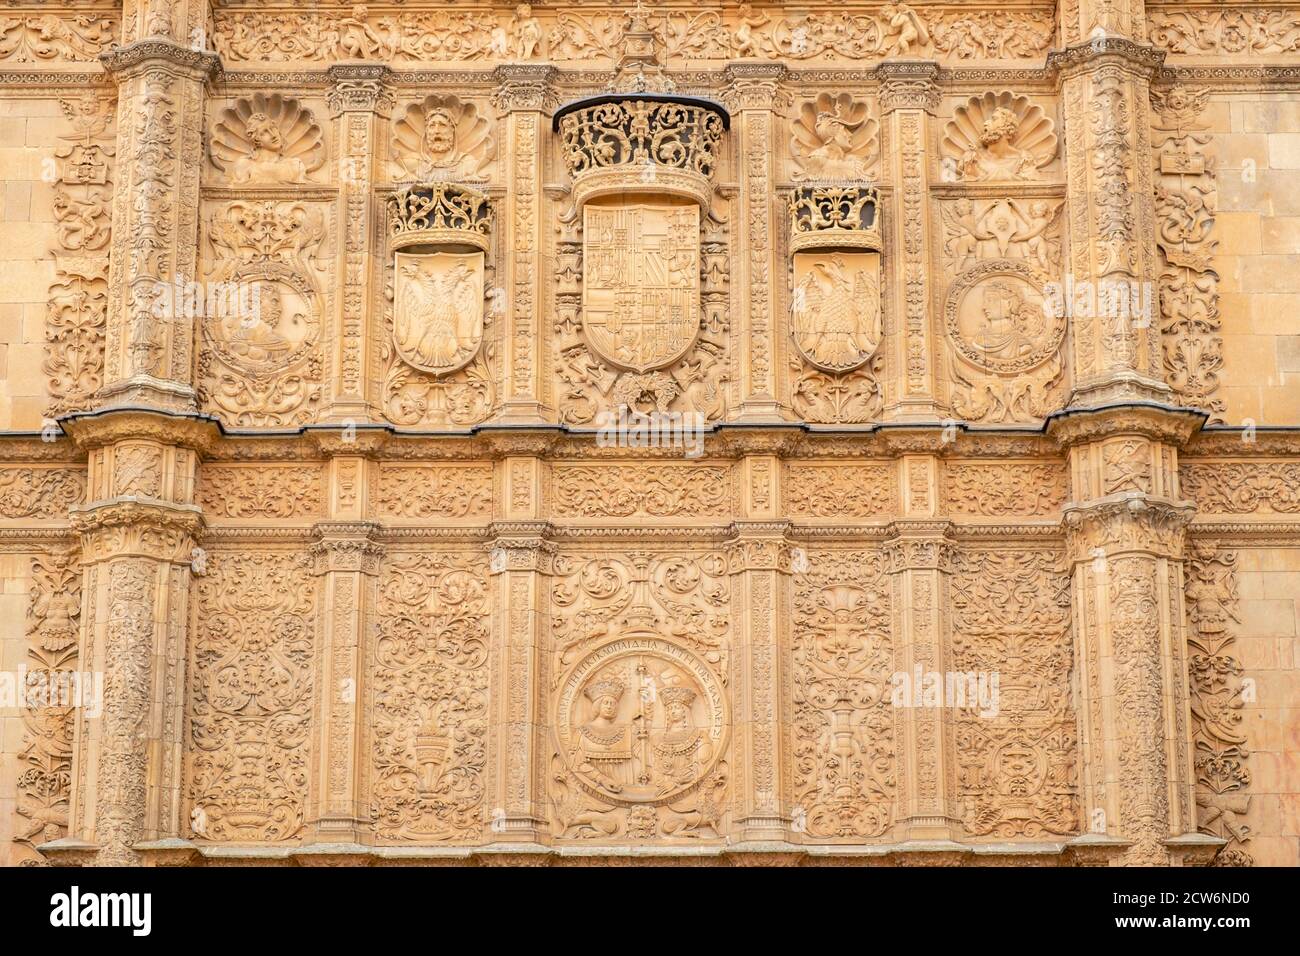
(920, 555)
(1125, 526)
(139, 533)
(526, 100)
(360, 99)
(754, 96)
(161, 71)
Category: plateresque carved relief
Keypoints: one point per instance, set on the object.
(266, 139)
(428, 682)
(641, 707)
(263, 311)
(251, 670)
(442, 138)
(834, 137)
(842, 740)
(997, 137)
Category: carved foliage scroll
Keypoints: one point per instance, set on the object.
(1221, 759)
(842, 740)
(1017, 761)
(45, 756)
(428, 676)
(1187, 197)
(251, 695)
(77, 310)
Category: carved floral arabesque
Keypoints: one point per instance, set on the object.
(48, 38)
(252, 491)
(1186, 198)
(428, 680)
(44, 760)
(1241, 487)
(1017, 769)
(31, 492)
(674, 608)
(1231, 33)
(77, 305)
(262, 363)
(433, 491)
(1221, 759)
(659, 491)
(842, 737)
(1005, 490)
(408, 36)
(251, 695)
(839, 491)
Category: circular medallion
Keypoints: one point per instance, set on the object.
(640, 720)
(265, 319)
(997, 320)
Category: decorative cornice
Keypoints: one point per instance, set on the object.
(908, 84)
(360, 87)
(121, 60)
(1164, 423)
(346, 546)
(755, 86)
(97, 429)
(525, 86)
(137, 527)
(1140, 58)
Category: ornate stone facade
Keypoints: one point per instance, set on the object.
(859, 433)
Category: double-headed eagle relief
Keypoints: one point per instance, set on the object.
(438, 312)
(641, 288)
(835, 315)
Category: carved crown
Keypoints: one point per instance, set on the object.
(677, 695)
(834, 217)
(439, 214)
(641, 142)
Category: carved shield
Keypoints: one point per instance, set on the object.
(438, 309)
(835, 310)
(641, 283)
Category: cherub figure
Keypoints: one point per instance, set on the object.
(904, 28)
(745, 42)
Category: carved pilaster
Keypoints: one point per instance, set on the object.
(347, 558)
(360, 98)
(908, 96)
(149, 345)
(1125, 527)
(760, 562)
(525, 97)
(754, 95)
(1111, 274)
(521, 566)
(1083, 20)
(920, 555)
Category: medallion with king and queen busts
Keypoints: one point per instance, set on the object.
(640, 721)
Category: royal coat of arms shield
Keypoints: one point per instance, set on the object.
(438, 309)
(641, 283)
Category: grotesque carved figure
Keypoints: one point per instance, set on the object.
(997, 136)
(267, 139)
(834, 138)
(443, 139)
